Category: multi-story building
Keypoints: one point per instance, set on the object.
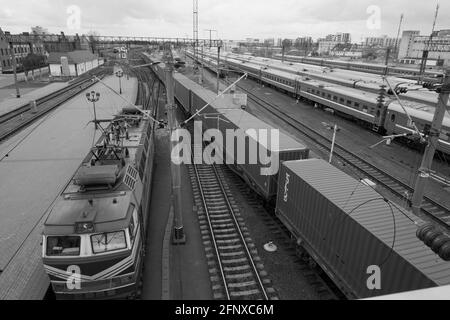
(279, 42)
(413, 45)
(339, 37)
(325, 46)
(5, 59)
(383, 41)
(269, 42)
(20, 49)
(303, 42)
(63, 43)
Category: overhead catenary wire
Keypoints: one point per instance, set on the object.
(146, 114)
(404, 109)
(217, 97)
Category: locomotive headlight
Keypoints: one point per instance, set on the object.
(84, 227)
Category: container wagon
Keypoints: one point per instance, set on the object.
(289, 149)
(348, 228)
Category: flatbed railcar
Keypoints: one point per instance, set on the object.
(350, 231)
(387, 117)
(94, 235)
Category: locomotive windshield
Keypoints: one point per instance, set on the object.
(110, 241)
(63, 246)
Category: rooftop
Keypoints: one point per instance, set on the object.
(74, 57)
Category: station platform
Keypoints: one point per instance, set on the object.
(173, 272)
(10, 103)
(41, 159)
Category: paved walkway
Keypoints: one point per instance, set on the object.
(186, 266)
(12, 103)
(8, 79)
(41, 159)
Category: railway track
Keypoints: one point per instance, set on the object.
(430, 208)
(15, 120)
(235, 268)
(315, 277)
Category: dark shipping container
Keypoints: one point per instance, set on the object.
(347, 227)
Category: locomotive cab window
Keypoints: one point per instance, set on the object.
(392, 117)
(63, 246)
(110, 241)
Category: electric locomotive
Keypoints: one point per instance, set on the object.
(94, 236)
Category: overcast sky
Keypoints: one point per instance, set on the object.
(234, 19)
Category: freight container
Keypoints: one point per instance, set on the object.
(288, 149)
(193, 97)
(351, 232)
(182, 91)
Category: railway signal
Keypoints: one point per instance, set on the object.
(94, 97)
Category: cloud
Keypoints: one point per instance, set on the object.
(234, 19)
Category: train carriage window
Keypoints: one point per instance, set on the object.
(393, 117)
(335, 98)
(63, 246)
(365, 109)
(349, 102)
(356, 105)
(108, 241)
(341, 100)
(329, 96)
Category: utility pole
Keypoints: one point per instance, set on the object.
(433, 140)
(398, 34)
(210, 37)
(218, 69)
(333, 142)
(388, 52)
(201, 67)
(14, 65)
(426, 50)
(178, 233)
(195, 29)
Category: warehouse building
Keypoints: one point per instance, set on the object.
(72, 64)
